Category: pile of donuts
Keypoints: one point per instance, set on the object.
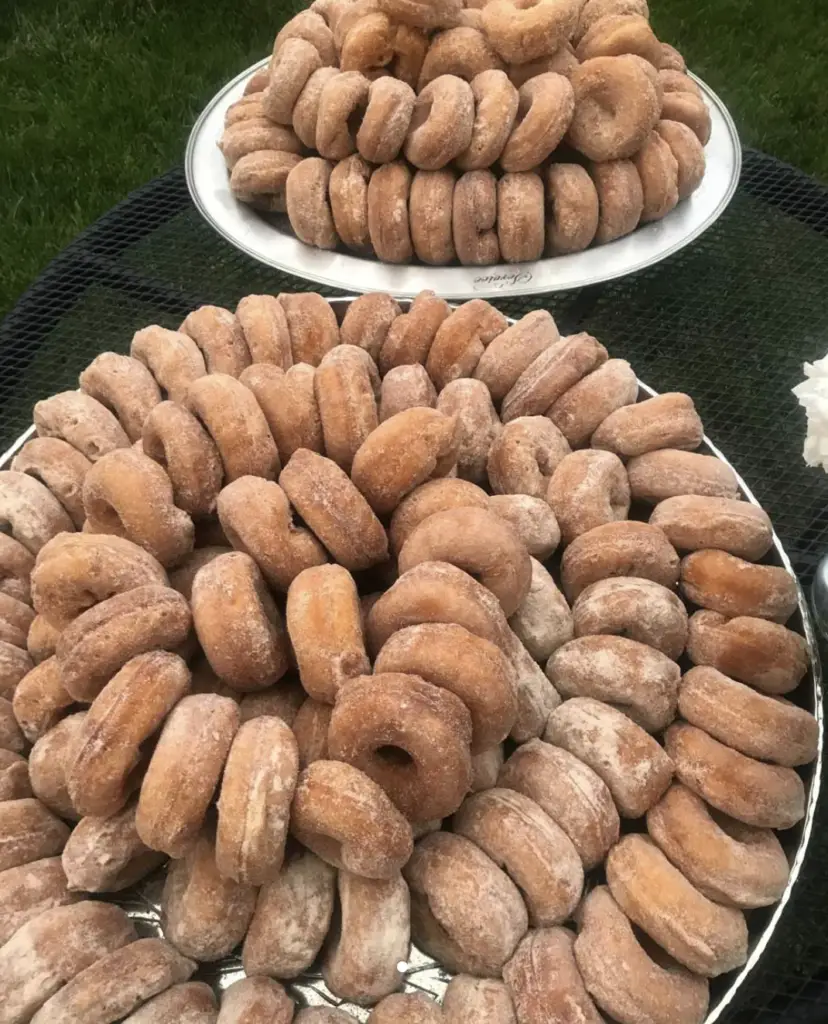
(537, 126)
(279, 610)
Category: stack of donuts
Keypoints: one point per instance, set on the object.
(537, 126)
(279, 611)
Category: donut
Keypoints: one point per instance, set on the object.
(670, 473)
(694, 522)
(533, 850)
(461, 340)
(616, 107)
(430, 205)
(203, 914)
(308, 203)
(366, 43)
(384, 126)
(128, 710)
(254, 803)
(14, 785)
(11, 736)
(473, 218)
(537, 698)
(473, 669)
(462, 51)
(434, 496)
(310, 728)
(688, 152)
(731, 586)
(543, 979)
(238, 624)
(728, 862)
(265, 328)
(545, 109)
(636, 608)
(127, 494)
(49, 760)
(306, 109)
(345, 384)
(346, 819)
(623, 978)
(513, 350)
(563, 61)
(571, 209)
(523, 30)
(341, 103)
(175, 439)
(373, 939)
(219, 335)
(103, 639)
(617, 34)
(16, 564)
(410, 737)
(441, 123)
(81, 421)
(485, 768)
(552, 374)
(411, 334)
(495, 109)
(288, 401)
(632, 764)
(423, 14)
(705, 937)
(580, 410)
(658, 170)
(125, 386)
(588, 488)
(41, 642)
(520, 214)
(259, 179)
(312, 325)
(465, 911)
(532, 520)
(595, 10)
(620, 199)
(763, 654)
(30, 833)
(525, 455)
(172, 357)
(76, 571)
(629, 675)
(334, 509)
(194, 999)
(388, 217)
(399, 1008)
(618, 549)
(543, 621)
(290, 70)
(671, 58)
(15, 620)
(29, 512)
(688, 109)
(310, 26)
(478, 424)
(252, 1000)
(14, 664)
(29, 890)
(254, 135)
(755, 793)
(468, 1000)
(291, 919)
(345, 14)
(60, 468)
(368, 320)
(406, 387)
(246, 108)
(281, 701)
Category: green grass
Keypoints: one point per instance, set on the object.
(98, 95)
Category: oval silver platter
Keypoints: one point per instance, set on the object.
(271, 241)
(422, 973)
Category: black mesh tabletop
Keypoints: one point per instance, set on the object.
(730, 320)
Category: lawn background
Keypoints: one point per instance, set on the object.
(97, 96)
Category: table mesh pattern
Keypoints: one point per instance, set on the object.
(729, 320)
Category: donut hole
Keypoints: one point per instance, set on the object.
(393, 756)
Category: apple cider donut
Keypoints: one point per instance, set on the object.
(525, 30)
(463, 52)
(544, 982)
(465, 911)
(172, 357)
(580, 410)
(622, 977)
(334, 509)
(290, 70)
(388, 218)
(755, 793)
(29, 890)
(29, 512)
(192, 1001)
(618, 34)
(14, 664)
(620, 199)
(636, 608)
(705, 937)
(11, 736)
(30, 833)
(433, 496)
(461, 340)
(520, 215)
(405, 1008)
(16, 565)
(219, 335)
(441, 123)
(474, 216)
(60, 468)
(288, 401)
(175, 439)
(423, 13)
(694, 522)
(495, 109)
(669, 473)
(658, 170)
(312, 27)
(731, 586)
(127, 494)
(543, 621)
(430, 210)
(342, 101)
(265, 328)
(469, 1000)
(385, 122)
(125, 386)
(687, 151)
(238, 623)
(256, 1001)
(254, 803)
(410, 737)
(367, 321)
(80, 420)
(632, 764)
(348, 194)
(551, 375)
(588, 488)
(619, 549)
(730, 863)
(346, 383)
(513, 350)
(595, 10)
(406, 387)
(308, 203)
(545, 110)
(128, 711)
(15, 621)
(14, 785)
(254, 135)
(411, 334)
(280, 701)
(478, 424)
(532, 520)
(41, 643)
(474, 669)
(525, 455)
(366, 42)
(249, 106)
(312, 325)
(690, 110)
(666, 421)
(616, 107)
(259, 179)
(526, 843)
(306, 108)
(571, 209)
(310, 727)
(637, 679)
(485, 768)
(76, 571)
(480, 543)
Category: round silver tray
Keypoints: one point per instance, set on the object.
(422, 973)
(271, 241)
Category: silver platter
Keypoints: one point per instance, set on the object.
(422, 973)
(271, 241)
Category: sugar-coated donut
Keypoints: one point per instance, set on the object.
(671, 58)
(495, 109)
(525, 455)
(60, 468)
(14, 785)
(16, 564)
(668, 473)
(290, 69)
(410, 737)
(623, 978)
(265, 328)
(433, 496)
(520, 215)
(469, 1000)
(29, 890)
(310, 26)
(617, 34)
(288, 401)
(594, 10)
(461, 51)
(461, 340)
(259, 179)
(323, 1015)
(688, 109)
(256, 1001)
(619, 549)
(543, 980)
(532, 520)
(80, 420)
(430, 205)
(632, 764)
(441, 123)
(411, 334)
(14, 664)
(195, 999)
(312, 325)
(423, 13)
(175, 439)
(620, 198)
(49, 761)
(388, 217)
(705, 937)
(41, 643)
(478, 424)
(485, 768)
(688, 153)
(30, 833)
(537, 698)
(368, 320)
(366, 42)
(384, 126)
(29, 512)
(759, 794)
(334, 509)
(543, 621)
(693, 522)
(571, 208)
(636, 608)
(762, 654)
(402, 1008)
(124, 385)
(308, 202)
(524, 30)
(374, 937)
(15, 620)
(346, 384)
(40, 700)
(563, 62)
(581, 409)
(724, 583)
(513, 350)
(281, 701)
(616, 107)
(172, 357)
(729, 862)
(658, 170)
(11, 736)
(406, 387)
(310, 727)
(306, 108)
(465, 911)
(219, 335)
(545, 110)
(341, 103)
(588, 488)
(249, 106)
(552, 374)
